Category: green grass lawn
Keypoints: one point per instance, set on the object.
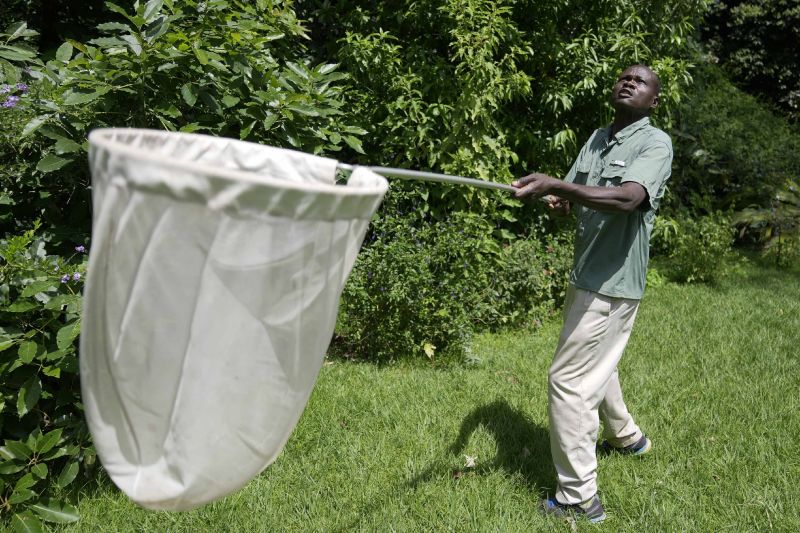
(712, 375)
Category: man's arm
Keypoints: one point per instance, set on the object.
(625, 198)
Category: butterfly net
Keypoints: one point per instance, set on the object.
(214, 279)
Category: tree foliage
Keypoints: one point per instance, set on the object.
(224, 67)
(491, 88)
(756, 42)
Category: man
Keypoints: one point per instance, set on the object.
(616, 183)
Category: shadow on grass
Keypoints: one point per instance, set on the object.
(522, 447)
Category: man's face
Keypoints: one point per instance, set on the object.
(636, 90)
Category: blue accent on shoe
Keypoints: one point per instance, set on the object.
(640, 447)
(593, 509)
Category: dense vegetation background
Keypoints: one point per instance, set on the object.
(484, 88)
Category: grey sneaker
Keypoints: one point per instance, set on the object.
(640, 447)
(592, 509)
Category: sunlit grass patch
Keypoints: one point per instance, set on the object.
(712, 374)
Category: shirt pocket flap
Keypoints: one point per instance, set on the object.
(612, 175)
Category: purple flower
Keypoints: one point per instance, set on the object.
(22, 87)
(11, 101)
(5, 88)
(76, 276)
(65, 278)
(80, 249)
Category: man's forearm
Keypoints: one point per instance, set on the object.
(622, 199)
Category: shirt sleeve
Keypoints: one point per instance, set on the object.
(651, 169)
(573, 171)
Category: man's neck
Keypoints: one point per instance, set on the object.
(623, 119)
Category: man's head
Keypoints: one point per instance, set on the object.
(636, 90)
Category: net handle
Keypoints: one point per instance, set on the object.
(404, 173)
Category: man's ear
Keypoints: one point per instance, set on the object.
(655, 102)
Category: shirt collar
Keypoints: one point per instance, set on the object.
(628, 130)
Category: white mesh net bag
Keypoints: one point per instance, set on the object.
(214, 279)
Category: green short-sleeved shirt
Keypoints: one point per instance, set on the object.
(612, 249)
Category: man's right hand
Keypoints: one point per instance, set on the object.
(533, 185)
(537, 186)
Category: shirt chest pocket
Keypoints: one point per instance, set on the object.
(612, 176)
(582, 173)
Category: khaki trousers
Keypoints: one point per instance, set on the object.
(584, 388)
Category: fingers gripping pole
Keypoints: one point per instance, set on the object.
(403, 173)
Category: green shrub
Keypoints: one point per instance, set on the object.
(776, 227)
(414, 287)
(45, 439)
(421, 286)
(731, 150)
(229, 68)
(696, 247)
(530, 281)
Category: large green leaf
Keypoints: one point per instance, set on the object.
(73, 97)
(15, 53)
(46, 442)
(12, 467)
(67, 334)
(21, 495)
(151, 9)
(27, 351)
(67, 475)
(55, 511)
(157, 28)
(354, 143)
(298, 69)
(29, 394)
(16, 30)
(39, 286)
(33, 125)
(229, 101)
(26, 523)
(51, 162)
(109, 42)
(21, 306)
(62, 300)
(189, 94)
(64, 52)
(65, 145)
(199, 53)
(109, 26)
(39, 470)
(55, 453)
(15, 449)
(304, 110)
(133, 43)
